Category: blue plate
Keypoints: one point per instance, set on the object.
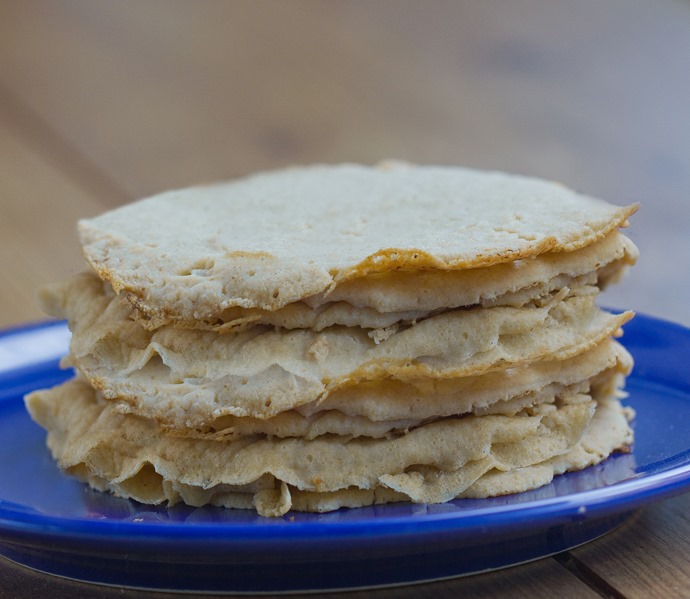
(54, 524)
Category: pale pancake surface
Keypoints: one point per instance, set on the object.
(186, 377)
(279, 237)
(132, 457)
(385, 299)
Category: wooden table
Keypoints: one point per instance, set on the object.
(104, 102)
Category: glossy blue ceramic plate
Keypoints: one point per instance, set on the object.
(54, 524)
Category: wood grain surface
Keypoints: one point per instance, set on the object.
(104, 102)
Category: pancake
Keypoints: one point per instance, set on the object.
(403, 297)
(186, 377)
(132, 457)
(389, 406)
(276, 238)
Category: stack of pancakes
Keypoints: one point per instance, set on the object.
(335, 336)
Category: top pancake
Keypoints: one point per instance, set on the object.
(275, 238)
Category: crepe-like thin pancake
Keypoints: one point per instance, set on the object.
(188, 377)
(608, 432)
(387, 407)
(132, 457)
(276, 238)
(425, 398)
(386, 299)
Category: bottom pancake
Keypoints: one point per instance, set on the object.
(469, 456)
